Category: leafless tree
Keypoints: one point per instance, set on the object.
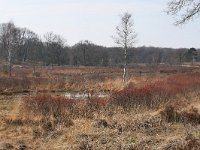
(55, 45)
(185, 10)
(9, 38)
(180, 54)
(83, 47)
(27, 40)
(126, 37)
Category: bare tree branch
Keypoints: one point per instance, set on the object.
(184, 10)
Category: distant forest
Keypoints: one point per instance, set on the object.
(24, 46)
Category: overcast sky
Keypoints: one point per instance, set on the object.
(95, 20)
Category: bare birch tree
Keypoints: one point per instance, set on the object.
(126, 37)
(184, 10)
(8, 36)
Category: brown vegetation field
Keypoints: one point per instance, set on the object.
(158, 109)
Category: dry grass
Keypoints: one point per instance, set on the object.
(121, 129)
(64, 78)
(44, 121)
(114, 129)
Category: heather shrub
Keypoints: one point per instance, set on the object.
(192, 116)
(60, 110)
(95, 105)
(14, 84)
(87, 108)
(156, 94)
(150, 96)
(171, 114)
(49, 110)
(98, 101)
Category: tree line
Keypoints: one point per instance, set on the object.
(21, 45)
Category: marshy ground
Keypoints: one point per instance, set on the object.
(159, 109)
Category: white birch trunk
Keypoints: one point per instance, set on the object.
(9, 61)
(125, 67)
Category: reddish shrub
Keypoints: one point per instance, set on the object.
(13, 83)
(45, 104)
(155, 94)
(60, 108)
(98, 101)
(51, 109)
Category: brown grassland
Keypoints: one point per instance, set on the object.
(158, 109)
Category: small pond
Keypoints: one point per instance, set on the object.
(85, 95)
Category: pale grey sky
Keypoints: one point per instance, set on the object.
(95, 20)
